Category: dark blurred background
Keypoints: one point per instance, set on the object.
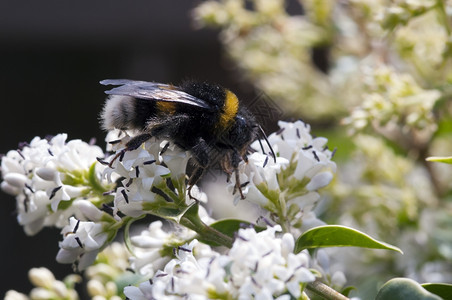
(53, 53)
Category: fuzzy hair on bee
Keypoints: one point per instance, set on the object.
(203, 118)
(118, 112)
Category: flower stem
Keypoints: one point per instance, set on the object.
(282, 213)
(127, 240)
(192, 221)
(325, 291)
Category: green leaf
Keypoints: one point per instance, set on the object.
(442, 159)
(94, 181)
(192, 211)
(445, 123)
(229, 227)
(404, 288)
(206, 234)
(166, 210)
(347, 290)
(444, 290)
(128, 279)
(338, 236)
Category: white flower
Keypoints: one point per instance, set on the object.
(142, 292)
(263, 264)
(47, 287)
(82, 241)
(145, 171)
(184, 275)
(41, 277)
(394, 100)
(110, 264)
(109, 269)
(148, 255)
(88, 210)
(99, 291)
(13, 295)
(289, 185)
(259, 265)
(46, 172)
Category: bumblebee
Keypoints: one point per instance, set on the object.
(203, 118)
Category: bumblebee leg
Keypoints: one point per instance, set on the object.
(194, 178)
(200, 153)
(137, 141)
(133, 144)
(226, 167)
(239, 185)
(235, 160)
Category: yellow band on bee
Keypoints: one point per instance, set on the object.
(166, 107)
(230, 109)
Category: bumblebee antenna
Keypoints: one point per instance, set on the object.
(268, 143)
(262, 146)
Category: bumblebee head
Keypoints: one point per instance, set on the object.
(246, 130)
(243, 130)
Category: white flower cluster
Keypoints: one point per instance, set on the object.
(424, 42)
(289, 186)
(110, 268)
(82, 242)
(274, 49)
(47, 287)
(394, 100)
(76, 184)
(258, 266)
(154, 246)
(144, 174)
(401, 12)
(388, 193)
(47, 175)
(383, 186)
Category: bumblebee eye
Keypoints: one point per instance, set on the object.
(240, 121)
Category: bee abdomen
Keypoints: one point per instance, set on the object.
(119, 112)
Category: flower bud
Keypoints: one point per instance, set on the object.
(111, 287)
(95, 287)
(320, 180)
(41, 294)
(15, 179)
(47, 174)
(41, 277)
(89, 210)
(9, 189)
(13, 295)
(60, 289)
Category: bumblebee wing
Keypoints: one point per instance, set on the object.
(153, 91)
